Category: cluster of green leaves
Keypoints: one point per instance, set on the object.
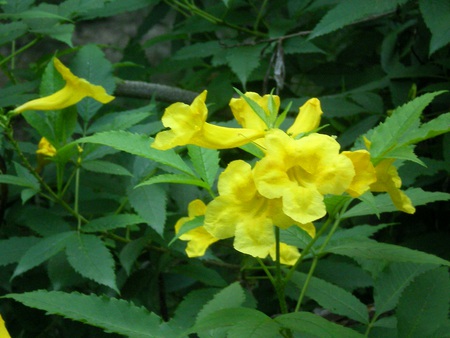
(91, 239)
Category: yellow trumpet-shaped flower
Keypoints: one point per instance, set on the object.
(308, 118)
(364, 172)
(241, 212)
(246, 116)
(188, 125)
(301, 171)
(74, 91)
(198, 239)
(3, 331)
(389, 181)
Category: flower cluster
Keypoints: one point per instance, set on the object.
(285, 188)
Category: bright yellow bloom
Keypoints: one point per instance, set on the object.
(45, 148)
(389, 181)
(301, 171)
(3, 331)
(240, 211)
(188, 125)
(246, 116)
(288, 254)
(74, 91)
(199, 239)
(308, 118)
(364, 172)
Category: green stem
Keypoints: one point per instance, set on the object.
(279, 280)
(20, 50)
(77, 195)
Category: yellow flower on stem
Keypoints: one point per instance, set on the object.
(288, 254)
(44, 151)
(73, 92)
(389, 181)
(241, 212)
(3, 331)
(308, 118)
(364, 172)
(188, 125)
(301, 171)
(199, 239)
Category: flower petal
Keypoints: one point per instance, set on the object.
(308, 118)
(364, 172)
(288, 254)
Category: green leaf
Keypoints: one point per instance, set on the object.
(360, 231)
(435, 127)
(91, 65)
(350, 11)
(45, 222)
(89, 256)
(42, 251)
(332, 297)
(390, 284)
(384, 203)
(201, 273)
(111, 222)
(436, 15)
(14, 180)
(395, 131)
(188, 226)
(60, 32)
(243, 60)
(382, 251)
(11, 31)
(423, 306)
(150, 203)
(205, 162)
(198, 50)
(105, 167)
(14, 248)
(306, 322)
(138, 144)
(112, 315)
(295, 236)
(300, 45)
(131, 252)
(239, 322)
(174, 178)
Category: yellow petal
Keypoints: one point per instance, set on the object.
(45, 148)
(188, 125)
(288, 254)
(308, 118)
(364, 172)
(74, 91)
(3, 331)
(245, 115)
(254, 235)
(198, 239)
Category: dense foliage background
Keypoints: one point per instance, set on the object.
(361, 58)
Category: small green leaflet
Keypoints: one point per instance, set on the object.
(111, 222)
(205, 162)
(174, 178)
(105, 167)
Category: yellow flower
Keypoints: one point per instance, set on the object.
(242, 212)
(389, 181)
(288, 254)
(188, 125)
(74, 91)
(301, 171)
(246, 116)
(45, 148)
(199, 239)
(364, 172)
(3, 331)
(308, 118)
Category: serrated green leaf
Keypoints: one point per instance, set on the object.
(15, 180)
(60, 32)
(382, 251)
(112, 8)
(295, 236)
(91, 65)
(389, 285)
(383, 202)
(350, 11)
(174, 178)
(201, 273)
(131, 252)
(394, 132)
(423, 306)
(435, 127)
(436, 15)
(332, 297)
(42, 251)
(205, 162)
(138, 144)
(111, 222)
(14, 248)
(44, 222)
(150, 203)
(234, 321)
(244, 60)
(89, 256)
(112, 315)
(11, 31)
(300, 45)
(360, 231)
(198, 50)
(105, 167)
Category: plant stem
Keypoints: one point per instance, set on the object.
(20, 50)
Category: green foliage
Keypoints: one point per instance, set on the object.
(87, 236)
